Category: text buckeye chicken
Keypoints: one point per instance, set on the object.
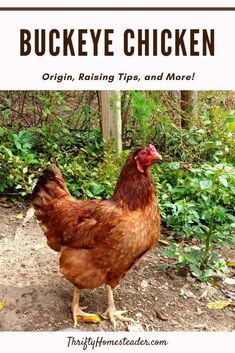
(99, 241)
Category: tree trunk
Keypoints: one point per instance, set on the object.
(188, 99)
(230, 100)
(174, 94)
(111, 118)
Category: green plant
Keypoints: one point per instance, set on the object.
(192, 257)
(139, 128)
(197, 206)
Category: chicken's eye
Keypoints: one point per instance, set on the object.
(143, 152)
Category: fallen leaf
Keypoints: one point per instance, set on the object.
(229, 294)
(20, 216)
(161, 315)
(163, 241)
(94, 319)
(217, 305)
(231, 263)
(229, 281)
(2, 303)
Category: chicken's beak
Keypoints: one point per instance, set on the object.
(157, 157)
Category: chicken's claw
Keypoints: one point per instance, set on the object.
(113, 315)
(80, 315)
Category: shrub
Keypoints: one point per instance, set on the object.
(197, 207)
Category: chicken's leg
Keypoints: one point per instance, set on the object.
(111, 312)
(76, 309)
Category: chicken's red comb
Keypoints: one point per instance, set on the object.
(152, 149)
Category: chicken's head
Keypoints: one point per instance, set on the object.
(146, 156)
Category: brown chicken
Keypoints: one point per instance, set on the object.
(99, 241)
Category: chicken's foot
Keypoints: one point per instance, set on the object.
(76, 309)
(111, 312)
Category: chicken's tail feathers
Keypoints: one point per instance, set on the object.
(49, 190)
(50, 186)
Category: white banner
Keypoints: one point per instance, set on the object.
(162, 342)
(117, 49)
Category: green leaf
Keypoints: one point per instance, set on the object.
(206, 184)
(27, 145)
(205, 228)
(97, 189)
(232, 126)
(89, 194)
(11, 137)
(174, 166)
(17, 144)
(217, 305)
(208, 273)
(223, 181)
(8, 151)
(231, 217)
(2, 131)
(65, 108)
(201, 131)
(204, 197)
(168, 253)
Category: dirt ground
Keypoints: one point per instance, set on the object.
(37, 297)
